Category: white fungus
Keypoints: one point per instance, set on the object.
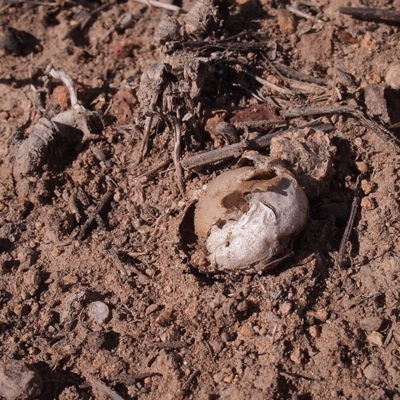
(248, 215)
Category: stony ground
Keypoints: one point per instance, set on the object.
(102, 295)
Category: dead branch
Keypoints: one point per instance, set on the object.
(186, 386)
(260, 125)
(235, 150)
(169, 345)
(121, 266)
(371, 14)
(69, 84)
(159, 4)
(302, 14)
(95, 214)
(270, 85)
(153, 170)
(132, 379)
(341, 258)
(379, 130)
(105, 389)
(177, 153)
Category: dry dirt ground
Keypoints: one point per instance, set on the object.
(103, 220)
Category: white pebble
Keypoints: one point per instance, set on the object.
(98, 311)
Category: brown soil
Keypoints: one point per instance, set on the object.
(307, 329)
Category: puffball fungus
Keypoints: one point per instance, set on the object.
(248, 215)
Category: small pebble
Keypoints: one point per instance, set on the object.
(151, 308)
(242, 306)
(99, 154)
(372, 373)
(319, 315)
(61, 96)
(286, 21)
(367, 186)
(246, 330)
(376, 338)
(17, 381)
(225, 336)
(164, 318)
(368, 204)
(392, 77)
(98, 311)
(123, 49)
(229, 378)
(285, 308)
(315, 331)
(297, 356)
(370, 324)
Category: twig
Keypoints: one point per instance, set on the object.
(177, 153)
(260, 124)
(84, 17)
(296, 377)
(97, 211)
(186, 386)
(270, 85)
(69, 83)
(211, 157)
(131, 379)
(146, 136)
(169, 345)
(302, 14)
(123, 22)
(379, 130)
(293, 77)
(153, 170)
(158, 4)
(371, 14)
(120, 265)
(235, 150)
(100, 385)
(350, 223)
(148, 123)
(30, 4)
(82, 115)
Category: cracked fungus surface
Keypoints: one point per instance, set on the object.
(248, 215)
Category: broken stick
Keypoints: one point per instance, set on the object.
(95, 215)
(235, 150)
(379, 130)
(341, 259)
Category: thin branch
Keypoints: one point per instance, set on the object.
(159, 4)
(177, 153)
(235, 150)
(186, 386)
(270, 85)
(302, 14)
(105, 389)
(98, 210)
(371, 14)
(153, 170)
(69, 83)
(379, 130)
(350, 223)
